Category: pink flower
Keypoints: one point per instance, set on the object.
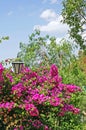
(21, 128)
(32, 109)
(53, 70)
(15, 129)
(55, 101)
(57, 79)
(46, 128)
(1, 68)
(18, 89)
(25, 70)
(39, 98)
(0, 87)
(34, 112)
(7, 105)
(76, 110)
(72, 88)
(28, 106)
(42, 79)
(1, 79)
(10, 77)
(71, 108)
(37, 124)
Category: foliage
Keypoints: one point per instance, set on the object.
(38, 100)
(45, 50)
(82, 61)
(4, 38)
(33, 52)
(74, 14)
(75, 73)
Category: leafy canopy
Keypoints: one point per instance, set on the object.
(45, 49)
(74, 14)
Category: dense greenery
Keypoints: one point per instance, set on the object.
(46, 50)
(74, 14)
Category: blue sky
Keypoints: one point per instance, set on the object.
(18, 19)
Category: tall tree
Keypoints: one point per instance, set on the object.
(33, 52)
(45, 50)
(74, 14)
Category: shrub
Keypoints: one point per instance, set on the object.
(37, 99)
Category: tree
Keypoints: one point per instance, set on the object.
(74, 14)
(34, 52)
(45, 50)
(61, 54)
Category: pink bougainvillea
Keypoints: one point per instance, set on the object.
(29, 97)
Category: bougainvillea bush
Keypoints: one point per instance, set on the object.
(34, 100)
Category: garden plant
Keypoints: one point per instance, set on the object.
(38, 99)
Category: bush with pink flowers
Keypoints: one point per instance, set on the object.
(37, 99)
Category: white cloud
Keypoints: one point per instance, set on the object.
(50, 1)
(53, 1)
(10, 13)
(48, 15)
(54, 26)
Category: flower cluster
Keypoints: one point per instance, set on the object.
(7, 105)
(29, 97)
(1, 71)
